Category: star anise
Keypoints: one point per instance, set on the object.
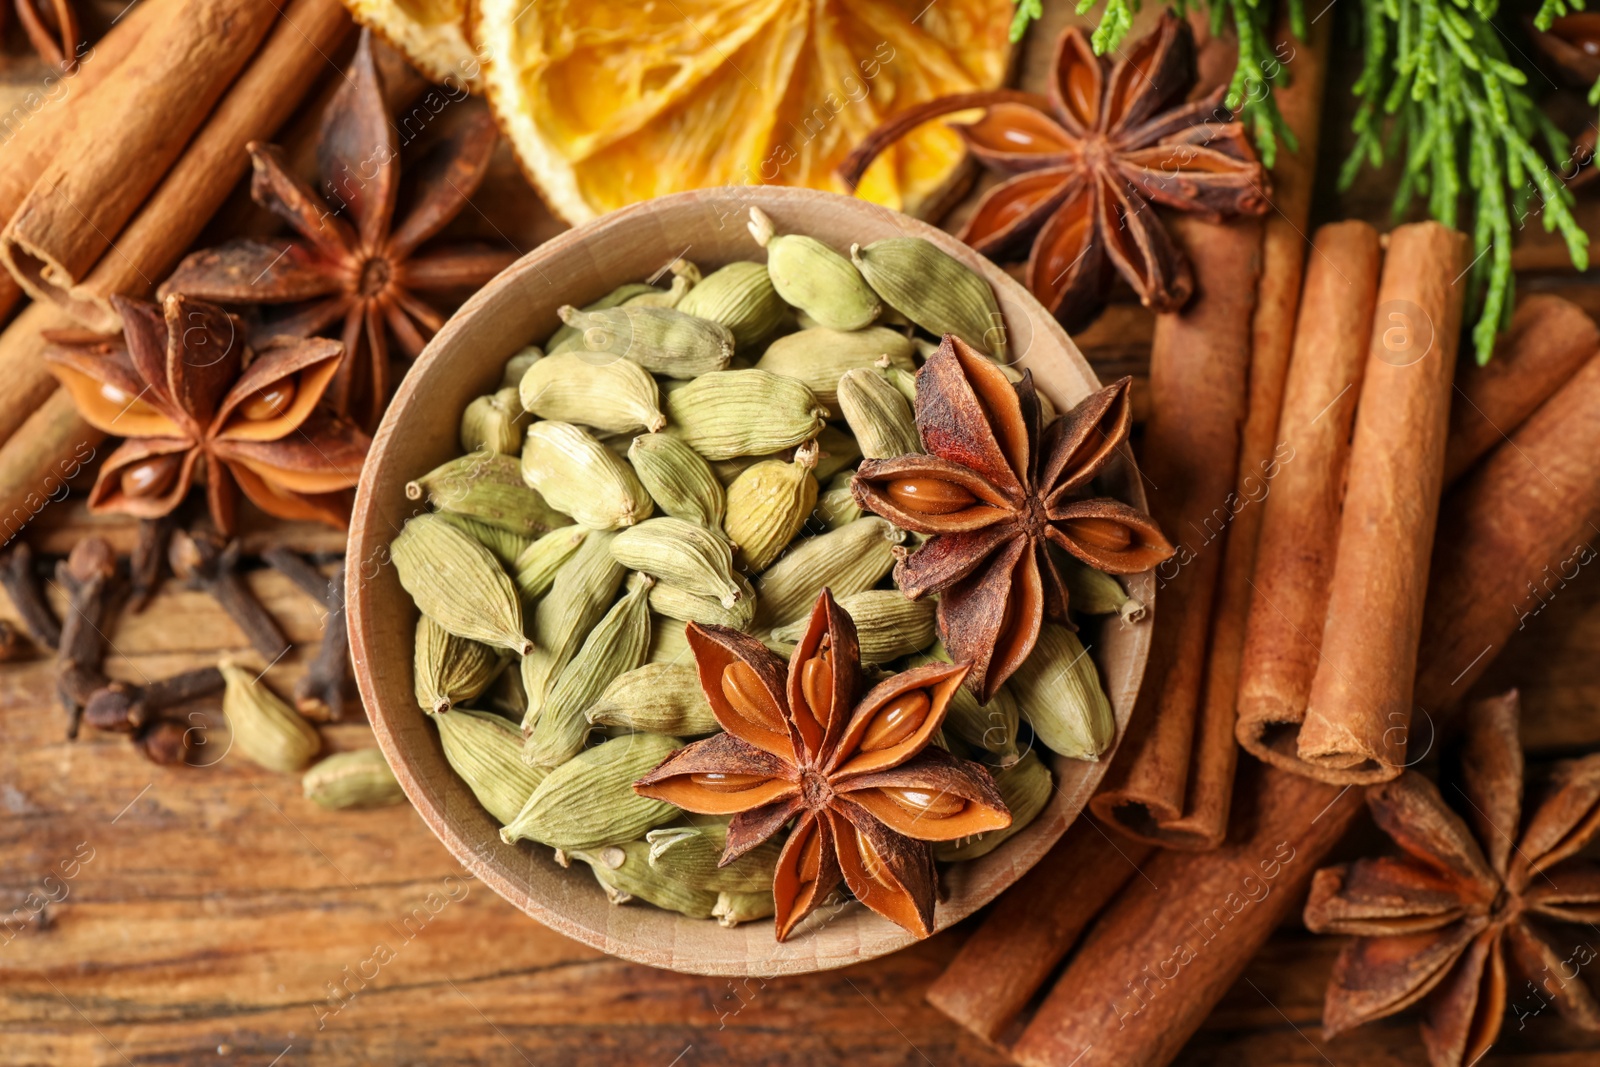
(859, 778)
(1089, 160)
(996, 492)
(52, 30)
(1434, 924)
(195, 401)
(364, 275)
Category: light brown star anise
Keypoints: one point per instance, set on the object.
(364, 273)
(1090, 160)
(1434, 924)
(196, 402)
(865, 789)
(995, 493)
(52, 29)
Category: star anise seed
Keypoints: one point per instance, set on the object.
(865, 789)
(995, 493)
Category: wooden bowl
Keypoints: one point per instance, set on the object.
(420, 432)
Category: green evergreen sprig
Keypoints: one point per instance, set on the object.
(1436, 86)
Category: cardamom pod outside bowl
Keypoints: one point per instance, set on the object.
(420, 431)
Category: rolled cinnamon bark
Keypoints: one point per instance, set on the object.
(26, 382)
(1148, 973)
(1300, 516)
(50, 449)
(1006, 960)
(259, 102)
(1549, 339)
(1359, 711)
(29, 147)
(136, 124)
(1166, 765)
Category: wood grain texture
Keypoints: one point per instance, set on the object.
(419, 432)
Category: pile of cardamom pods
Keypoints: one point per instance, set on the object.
(684, 454)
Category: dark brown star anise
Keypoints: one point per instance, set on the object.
(1089, 161)
(52, 29)
(996, 492)
(1434, 924)
(195, 401)
(865, 788)
(365, 273)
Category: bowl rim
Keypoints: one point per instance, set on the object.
(429, 803)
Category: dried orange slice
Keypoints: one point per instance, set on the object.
(608, 102)
(431, 33)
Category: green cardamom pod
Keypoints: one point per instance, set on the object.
(934, 290)
(692, 855)
(836, 451)
(1059, 694)
(678, 478)
(624, 872)
(660, 340)
(568, 337)
(601, 391)
(582, 592)
(588, 802)
(518, 365)
(448, 670)
(505, 545)
(731, 909)
(485, 751)
(814, 278)
(616, 645)
(494, 423)
(727, 470)
(669, 637)
(836, 504)
(359, 779)
(905, 381)
(657, 698)
(878, 415)
(581, 477)
(743, 413)
(677, 603)
(1025, 786)
(683, 554)
(458, 583)
(888, 625)
(819, 357)
(767, 506)
(741, 297)
(537, 566)
(847, 560)
(685, 276)
(1094, 592)
(489, 487)
(265, 729)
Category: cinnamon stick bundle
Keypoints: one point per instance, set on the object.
(27, 383)
(1174, 771)
(1164, 953)
(1300, 516)
(1549, 339)
(136, 124)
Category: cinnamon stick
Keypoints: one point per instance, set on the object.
(1359, 711)
(1006, 960)
(1169, 763)
(258, 103)
(1503, 524)
(31, 144)
(137, 123)
(36, 464)
(1549, 339)
(1300, 516)
(22, 368)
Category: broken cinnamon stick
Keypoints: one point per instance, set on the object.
(1504, 524)
(1171, 764)
(1549, 339)
(1005, 961)
(1359, 711)
(119, 153)
(255, 106)
(1300, 521)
